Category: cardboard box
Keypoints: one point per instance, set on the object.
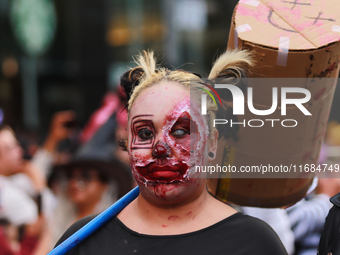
(289, 39)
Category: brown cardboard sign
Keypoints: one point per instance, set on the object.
(289, 39)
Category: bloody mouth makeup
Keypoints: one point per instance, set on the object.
(170, 160)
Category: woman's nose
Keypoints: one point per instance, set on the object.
(161, 150)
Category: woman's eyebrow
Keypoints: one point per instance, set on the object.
(143, 115)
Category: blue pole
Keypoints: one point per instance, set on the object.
(95, 224)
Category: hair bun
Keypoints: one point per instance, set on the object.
(130, 79)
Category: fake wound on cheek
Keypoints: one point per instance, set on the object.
(168, 158)
(182, 131)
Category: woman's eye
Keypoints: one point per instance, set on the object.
(180, 132)
(145, 134)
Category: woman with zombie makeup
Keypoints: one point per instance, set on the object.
(167, 138)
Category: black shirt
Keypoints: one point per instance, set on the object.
(330, 237)
(237, 234)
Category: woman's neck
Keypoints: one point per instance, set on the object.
(147, 218)
(173, 212)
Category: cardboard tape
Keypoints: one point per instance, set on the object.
(336, 28)
(243, 28)
(235, 39)
(250, 2)
(238, 30)
(313, 185)
(283, 51)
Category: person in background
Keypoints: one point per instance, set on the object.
(330, 237)
(12, 243)
(32, 174)
(61, 128)
(17, 208)
(114, 102)
(13, 198)
(33, 180)
(307, 217)
(91, 181)
(278, 219)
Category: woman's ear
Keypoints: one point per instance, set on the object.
(212, 145)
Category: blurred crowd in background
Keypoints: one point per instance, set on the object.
(44, 189)
(63, 114)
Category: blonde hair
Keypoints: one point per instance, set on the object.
(231, 64)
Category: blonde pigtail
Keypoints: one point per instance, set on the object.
(147, 62)
(232, 64)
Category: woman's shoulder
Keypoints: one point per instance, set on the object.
(75, 227)
(249, 224)
(254, 234)
(239, 222)
(235, 222)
